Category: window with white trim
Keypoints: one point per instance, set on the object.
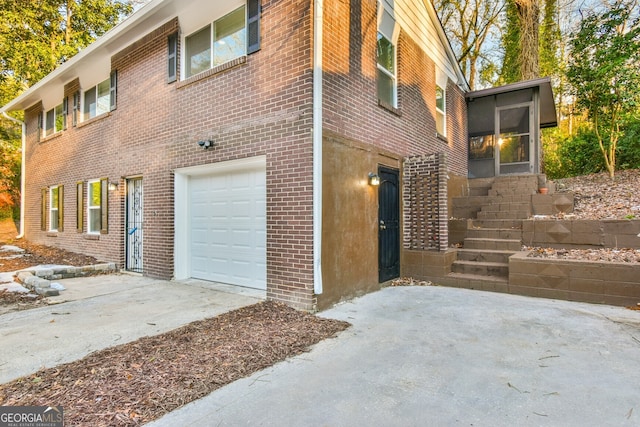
(55, 208)
(94, 207)
(55, 120)
(441, 111)
(221, 41)
(101, 98)
(97, 100)
(387, 82)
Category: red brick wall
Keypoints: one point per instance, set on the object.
(254, 108)
(350, 91)
(260, 106)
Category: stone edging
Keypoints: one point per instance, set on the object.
(39, 279)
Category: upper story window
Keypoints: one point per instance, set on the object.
(221, 41)
(101, 98)
(441, 111)
(387, 81)
(55, 120)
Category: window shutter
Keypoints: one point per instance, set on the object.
(104, 206)
(60, 207)
(79, 206)
(40, 124)
(76, 107)
(43, 209)
(65, 110)
(173, 58)
(253, 26)
(113, 88)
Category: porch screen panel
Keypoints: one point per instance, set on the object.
(514, 135)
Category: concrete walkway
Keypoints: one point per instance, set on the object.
(435, 356)
(103, 311)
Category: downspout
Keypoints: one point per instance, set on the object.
(22, 170)
(317, 146)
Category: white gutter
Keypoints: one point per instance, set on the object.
(317, 146)
(22, 171)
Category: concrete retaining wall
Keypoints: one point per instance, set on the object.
(427, 265)
(577, 234)
(567, 234)
(586, 281)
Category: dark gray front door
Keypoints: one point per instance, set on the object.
(389, 224)
(134, 225)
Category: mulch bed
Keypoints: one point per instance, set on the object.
(35, 254)
(138, 382)
(625, 255)
(597, 197)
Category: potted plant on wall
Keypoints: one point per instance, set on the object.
(542, 184)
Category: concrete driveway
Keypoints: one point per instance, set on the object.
(435, 356)
(103, 311)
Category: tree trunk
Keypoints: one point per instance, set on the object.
(528, 15)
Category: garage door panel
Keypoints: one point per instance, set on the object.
(228, 221)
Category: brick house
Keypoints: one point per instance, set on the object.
(241, 141)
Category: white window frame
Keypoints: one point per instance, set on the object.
(391, 75)
(212, 42)
(93, 208)
(441, 112)
(57, 112)
(86, 115)
(54, 208)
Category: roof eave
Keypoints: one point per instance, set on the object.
(100, 47)
(548, 114)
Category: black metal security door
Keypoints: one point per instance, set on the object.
(388, 224)
(134, 225)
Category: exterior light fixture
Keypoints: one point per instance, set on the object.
(113, 186)
(374, 179)
(206, 143)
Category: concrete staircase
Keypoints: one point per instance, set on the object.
(495, 234)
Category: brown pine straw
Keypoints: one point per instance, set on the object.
(138, 382)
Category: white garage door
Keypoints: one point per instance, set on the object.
(228, 227)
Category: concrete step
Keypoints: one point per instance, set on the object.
(494, 233)
(494, 192)
(484, 255)
(504, 215)
(472, 281)
(483, 268)
(478, 191)
(515, 224)
(493, 244)
(506, 207)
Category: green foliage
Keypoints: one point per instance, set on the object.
(510, 72)
(629, 147)
(549, 40)
(604, 72)
(580, 154)
(37, 36)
